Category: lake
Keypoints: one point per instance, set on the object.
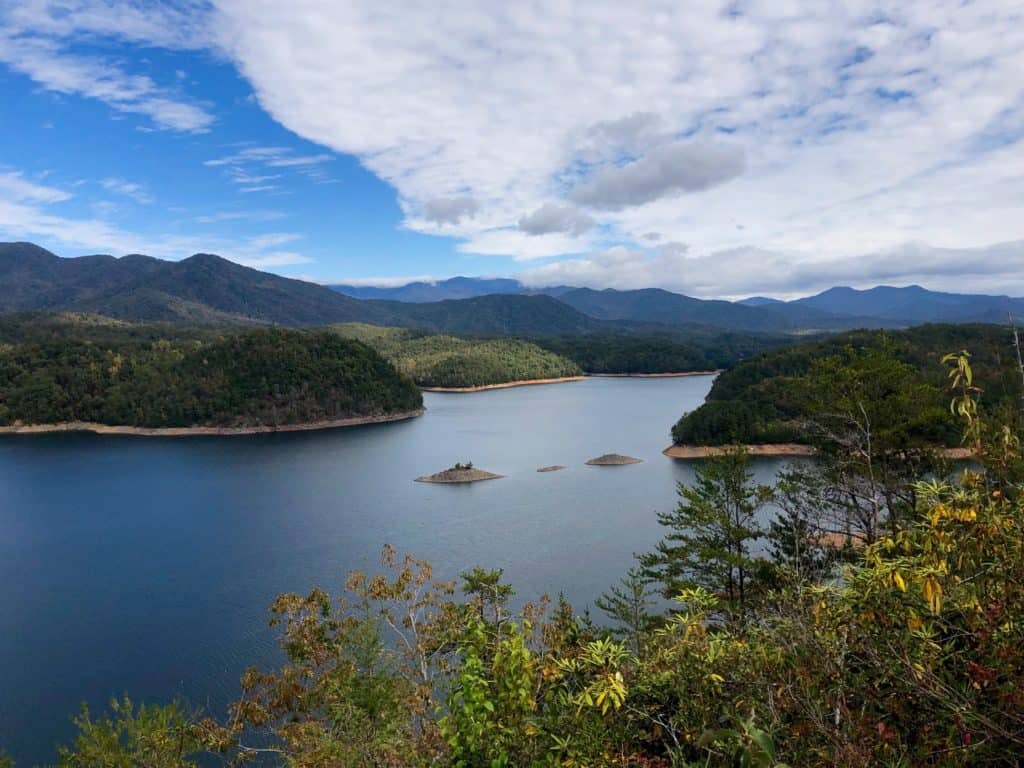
(146, 565)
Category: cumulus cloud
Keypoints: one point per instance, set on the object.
(513, 105)
(670, 169)
(840, 131)
(551, 217)
(450, 210)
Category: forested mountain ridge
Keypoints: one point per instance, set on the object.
(256, 378)
(207, 289)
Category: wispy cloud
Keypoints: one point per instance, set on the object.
(240, 167)
(132, 189)
(216, 218)
(16, 188)
(47, 62)
(32, 211)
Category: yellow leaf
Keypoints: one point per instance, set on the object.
(899, 582)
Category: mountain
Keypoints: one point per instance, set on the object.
(453, 288)
(914, 305)
(653, 305)
(759, 301)
(207, 289)
(497, 313)
(441, 290)
(200, 289)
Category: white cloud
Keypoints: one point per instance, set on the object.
(15, 187)
(132, 189)
(552, 217)
(26, 213)
(849, 115)
(46, 62)
(217, 218)
(450, 210)
(239, 167)
(669, 169)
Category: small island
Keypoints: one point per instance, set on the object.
(460, 473)
(552, 468)
(613, 460)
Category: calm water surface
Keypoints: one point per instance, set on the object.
(146, 566)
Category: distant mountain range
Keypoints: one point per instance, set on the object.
(209, 289)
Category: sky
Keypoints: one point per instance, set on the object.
(719, 149)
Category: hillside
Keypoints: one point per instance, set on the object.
(249, 379)
(759, 400)
(448, 361)
(200, 289)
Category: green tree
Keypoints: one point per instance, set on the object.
(133, 736)
(626, 603)
(712, 530)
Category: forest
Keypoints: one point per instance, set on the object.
(877, 619)
(449, 361)
(130, 376)
(611, 353)
(769, 398)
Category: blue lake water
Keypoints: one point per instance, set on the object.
(146, 566)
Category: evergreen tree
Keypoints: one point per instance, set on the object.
(712, 529)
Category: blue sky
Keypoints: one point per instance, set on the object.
(723, 149)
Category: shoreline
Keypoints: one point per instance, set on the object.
(504, 385)
(108, 429)
(775, 449)
(653, 375)
(564, 379)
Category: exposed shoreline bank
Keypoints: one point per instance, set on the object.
(774, 449)
(504, 385)
(653, 375)
(107, 429)
(563, 379)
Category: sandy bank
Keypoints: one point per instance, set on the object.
(704, 451)
(652, 375)
(106, 429)
(775, 449)
(504, 385)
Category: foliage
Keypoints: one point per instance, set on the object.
(449, 361)
(690, 352)
(712, 530)
(763, 399)
(131, 736)
(254, 378)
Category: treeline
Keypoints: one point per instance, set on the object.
(118, 375)
(769, 398)
(610, 353)
(877, 620)
(450, 361)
